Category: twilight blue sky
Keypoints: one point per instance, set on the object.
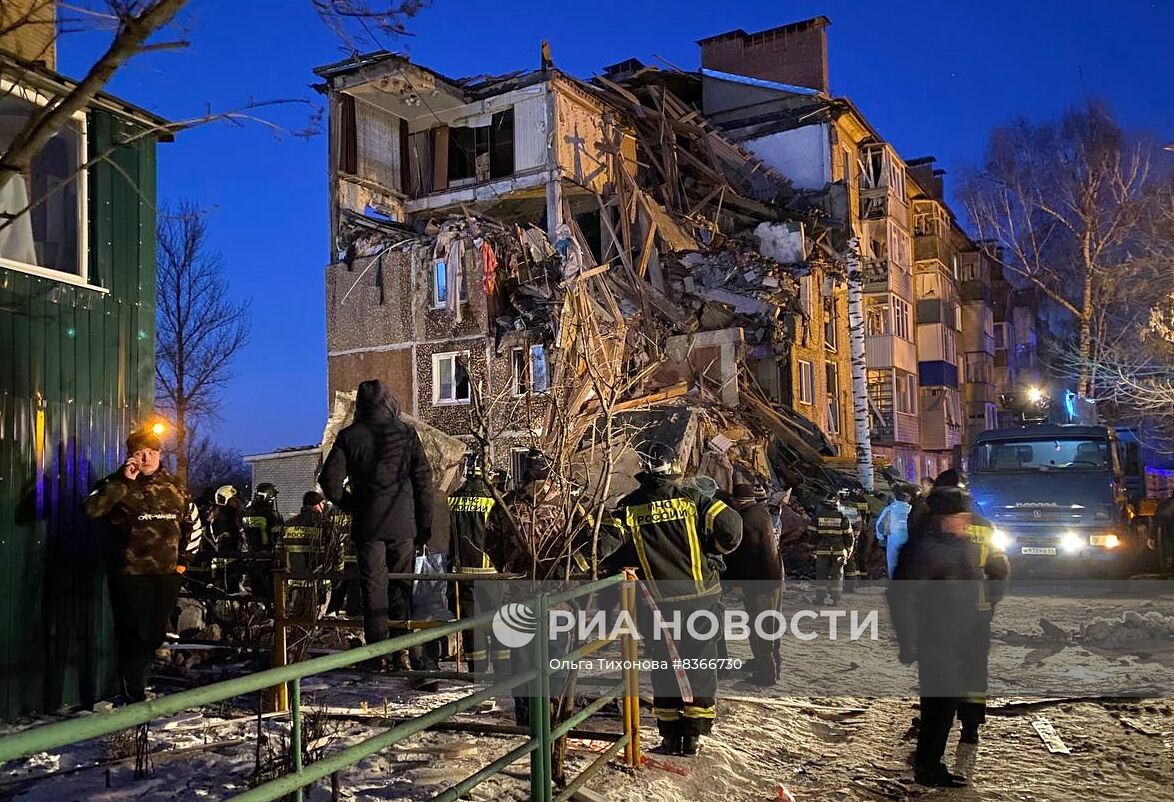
(933, 77)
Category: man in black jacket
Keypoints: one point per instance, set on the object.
(156, 532)
(756, 568)
(378, 472)
(937, 622)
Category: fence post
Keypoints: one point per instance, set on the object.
(629, 650)
(295, 731)
(278, 698)
(539, 698)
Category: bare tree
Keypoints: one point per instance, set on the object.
(1070, 202)
(200, 327)
(210, 465)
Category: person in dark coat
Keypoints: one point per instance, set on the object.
(378, 472)
(756, 568)
(937, 623)
(156, 532)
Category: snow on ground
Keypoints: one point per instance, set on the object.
(820, 735)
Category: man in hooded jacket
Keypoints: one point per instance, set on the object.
(378, 472)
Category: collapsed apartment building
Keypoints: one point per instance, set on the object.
(518, 255)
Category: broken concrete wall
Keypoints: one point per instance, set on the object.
(785, 242)
(708, 357)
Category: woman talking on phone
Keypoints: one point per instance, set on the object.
(156, 531)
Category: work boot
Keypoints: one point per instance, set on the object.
(965, 756)
(938, 777)
(671, 744)
(690, 744)
(401, 661)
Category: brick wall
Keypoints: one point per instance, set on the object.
(292, 473)
(31, 28)
(790, 54)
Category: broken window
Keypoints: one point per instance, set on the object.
(531, 373)
(806, 382)
(44, 211)
(348, 136)
(483, 152)
(906, 392)
(877, 316)
(450, 378)
(440, 284)
(830, 340)
(902, 318)
(833, 386)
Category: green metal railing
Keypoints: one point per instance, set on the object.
(539, 746)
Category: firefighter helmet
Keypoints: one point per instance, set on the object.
(224, 493)
(266, 491)
(658, 458)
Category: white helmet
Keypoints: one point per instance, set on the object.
(224, 493)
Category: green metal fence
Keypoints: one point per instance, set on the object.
(539, 746)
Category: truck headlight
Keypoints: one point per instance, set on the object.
(1000, 540)
(1071, 542)
(1107, 541)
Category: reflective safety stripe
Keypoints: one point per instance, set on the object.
(481, 504)
(463, 570)
(580, 561)
(666, 713)
(711, 514)
(694, 711)
(664, 511)
(480, 654)
(501, 655)
(976, 699)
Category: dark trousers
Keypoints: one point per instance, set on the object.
(829, 575)
(937, 717)
(675, 717)
(479, 646)
(384, 599)
(142, 607)
(767, 653)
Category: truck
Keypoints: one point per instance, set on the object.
(1058, 497)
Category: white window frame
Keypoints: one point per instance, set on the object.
(902, 318)
(831, 315)
(82, 277)
(462, 284)
(517, 459)
(806, 382)
(538, 351)
(437, 358)
(833, 396)
(1004, 330)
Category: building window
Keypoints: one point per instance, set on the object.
(450, 378)
(1000, 336)
(806, 284)
(440, 284)
(896, 177)
(906, 393)
(483, 152)
(830, 339)
(833, 385)
(806, 382)
(877, 316)
(531, 372)
(902, 318)
(948, 352)
(899, 245)
(517, 466)
(46, 208)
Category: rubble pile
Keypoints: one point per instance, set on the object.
(1132, 626)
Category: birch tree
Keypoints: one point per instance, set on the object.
(1068, 202)
(859, 378)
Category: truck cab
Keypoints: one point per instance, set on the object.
(1057, 497)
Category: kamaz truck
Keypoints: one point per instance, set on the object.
(1058, 498)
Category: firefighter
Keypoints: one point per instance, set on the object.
(226, 523)
(470, 507)
(756, 568)
(377, 471)
(833, 539)
(156, 532)
(262, 524)
(676, 538)
(937, 623)
(345, 598)
(303, 547)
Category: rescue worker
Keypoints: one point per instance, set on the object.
(855, 509)
(262, 524)
(378, 472)
(156, 531)
(345, 598)
(936, 623)
(892, 528)
(303, 548)
(756, 569)
(226, 523)
(833, 539)
(996, 570)
(677, 540)
(469, 507)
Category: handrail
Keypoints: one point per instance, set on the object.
(539, 746)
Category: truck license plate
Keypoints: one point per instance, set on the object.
(1037, 550)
